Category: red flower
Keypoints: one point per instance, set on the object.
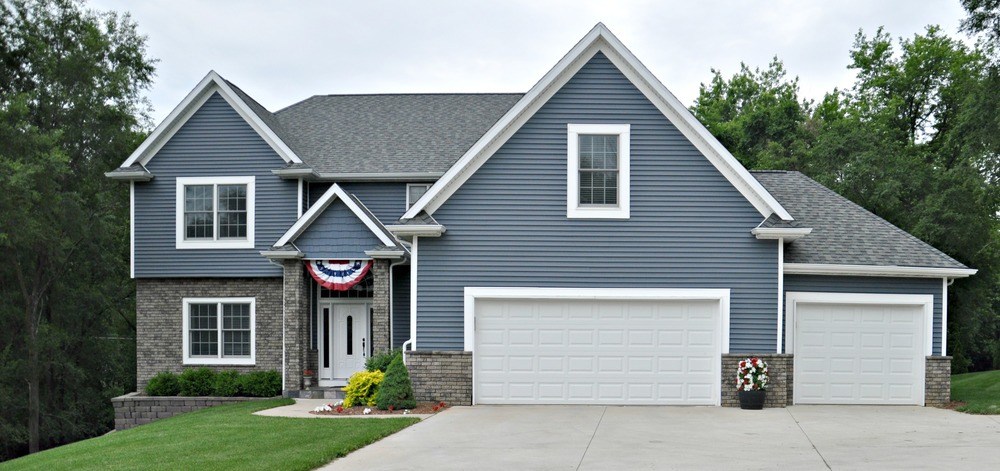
(340, 409)
(435, 408)
(391, 408)
(441, 404)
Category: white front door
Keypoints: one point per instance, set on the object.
(343, 340)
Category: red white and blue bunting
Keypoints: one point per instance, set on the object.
(338, 275)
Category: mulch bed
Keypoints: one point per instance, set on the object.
(423, 408)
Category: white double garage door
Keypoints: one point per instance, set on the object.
(570, 346)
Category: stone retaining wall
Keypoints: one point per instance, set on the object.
(779, 384)
(441, 376)
(133, 409)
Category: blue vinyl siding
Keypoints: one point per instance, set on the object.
(400, 305)
(387, 201)
(875, 285)
(337, 234)
(507, 225)
(215, 141)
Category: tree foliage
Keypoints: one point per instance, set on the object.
(70, 109)
(914, 140)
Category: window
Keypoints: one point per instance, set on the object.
(597, 171)
(219, 331)
(215, 212)
(414, 191)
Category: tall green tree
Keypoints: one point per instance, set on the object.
(71, 108)
(910, 140)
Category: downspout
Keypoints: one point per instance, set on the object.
(412, 341)
(781, 293)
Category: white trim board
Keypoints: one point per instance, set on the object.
(599, 39)
(793, 298)
(876, 270)
(211, 83)
(220, 360)
(334, 193)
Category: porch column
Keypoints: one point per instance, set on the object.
(380, 306)
(296, 323)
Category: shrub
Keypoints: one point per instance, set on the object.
(380, 362)
(163, 384)
(362, 387)
(227, 384)
(396, 391)
(261, 384)
(197, 382)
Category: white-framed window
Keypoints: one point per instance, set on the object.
(414, 191)
(215, 212)
(219, 331)
(597, 178)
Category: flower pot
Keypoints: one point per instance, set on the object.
(307, 381)
(752, 400)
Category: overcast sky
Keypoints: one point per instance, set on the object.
(283, 52)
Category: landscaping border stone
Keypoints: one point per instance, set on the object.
(133, 409)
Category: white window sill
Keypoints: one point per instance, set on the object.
(597, 213)
(215, 244)
(220, 361)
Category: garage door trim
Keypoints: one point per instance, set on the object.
(472, 294)
(793, 298)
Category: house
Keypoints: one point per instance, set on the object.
(587, 242)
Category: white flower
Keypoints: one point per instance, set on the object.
(406, 412)
(338, 403)
(318, 409)
(367, 410)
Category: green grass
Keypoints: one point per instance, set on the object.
(979, 391)
(224, 437)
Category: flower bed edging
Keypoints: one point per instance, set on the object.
(133, 409)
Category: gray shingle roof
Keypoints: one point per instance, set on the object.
(843, 232)
(409, 133)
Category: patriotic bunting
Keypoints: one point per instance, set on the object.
(338, 275)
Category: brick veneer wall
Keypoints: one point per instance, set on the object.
(380, 306)
(441, 376)
(779, 384)
(133, 409)
(160, 312)
(296, 322)
(937, 381)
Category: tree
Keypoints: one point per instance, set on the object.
(70, 109)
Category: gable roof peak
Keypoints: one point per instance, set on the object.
(599, 39)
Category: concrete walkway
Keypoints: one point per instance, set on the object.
(302, 407)
(599, 438)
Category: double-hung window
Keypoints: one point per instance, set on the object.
(219, 331)
(597, 177)
(215, 212)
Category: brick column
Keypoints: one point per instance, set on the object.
(937, 381)
(380, 306)
(296, 324)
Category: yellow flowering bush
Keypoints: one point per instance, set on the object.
(361, 388)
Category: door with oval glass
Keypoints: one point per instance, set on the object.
(344, 342)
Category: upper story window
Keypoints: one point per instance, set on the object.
(414, 191)
(219, 331)
(597, 177)
(215, 212)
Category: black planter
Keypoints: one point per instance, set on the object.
(752, 400)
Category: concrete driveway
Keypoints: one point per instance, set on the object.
(598, 438)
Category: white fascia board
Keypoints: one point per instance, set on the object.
(876, 270)
(774, 233)
(292, 173)
(385, 253)
(333, 193)
(282, 254)
(423, 230)
(136, 176)
(381, 177)
(599, 39)
(212, 82)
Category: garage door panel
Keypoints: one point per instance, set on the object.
(621, 352)
(858, 354)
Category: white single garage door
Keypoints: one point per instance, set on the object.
(859, 353)
(597, 351)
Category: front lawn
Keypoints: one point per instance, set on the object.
(224, 437)
(979, 391)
